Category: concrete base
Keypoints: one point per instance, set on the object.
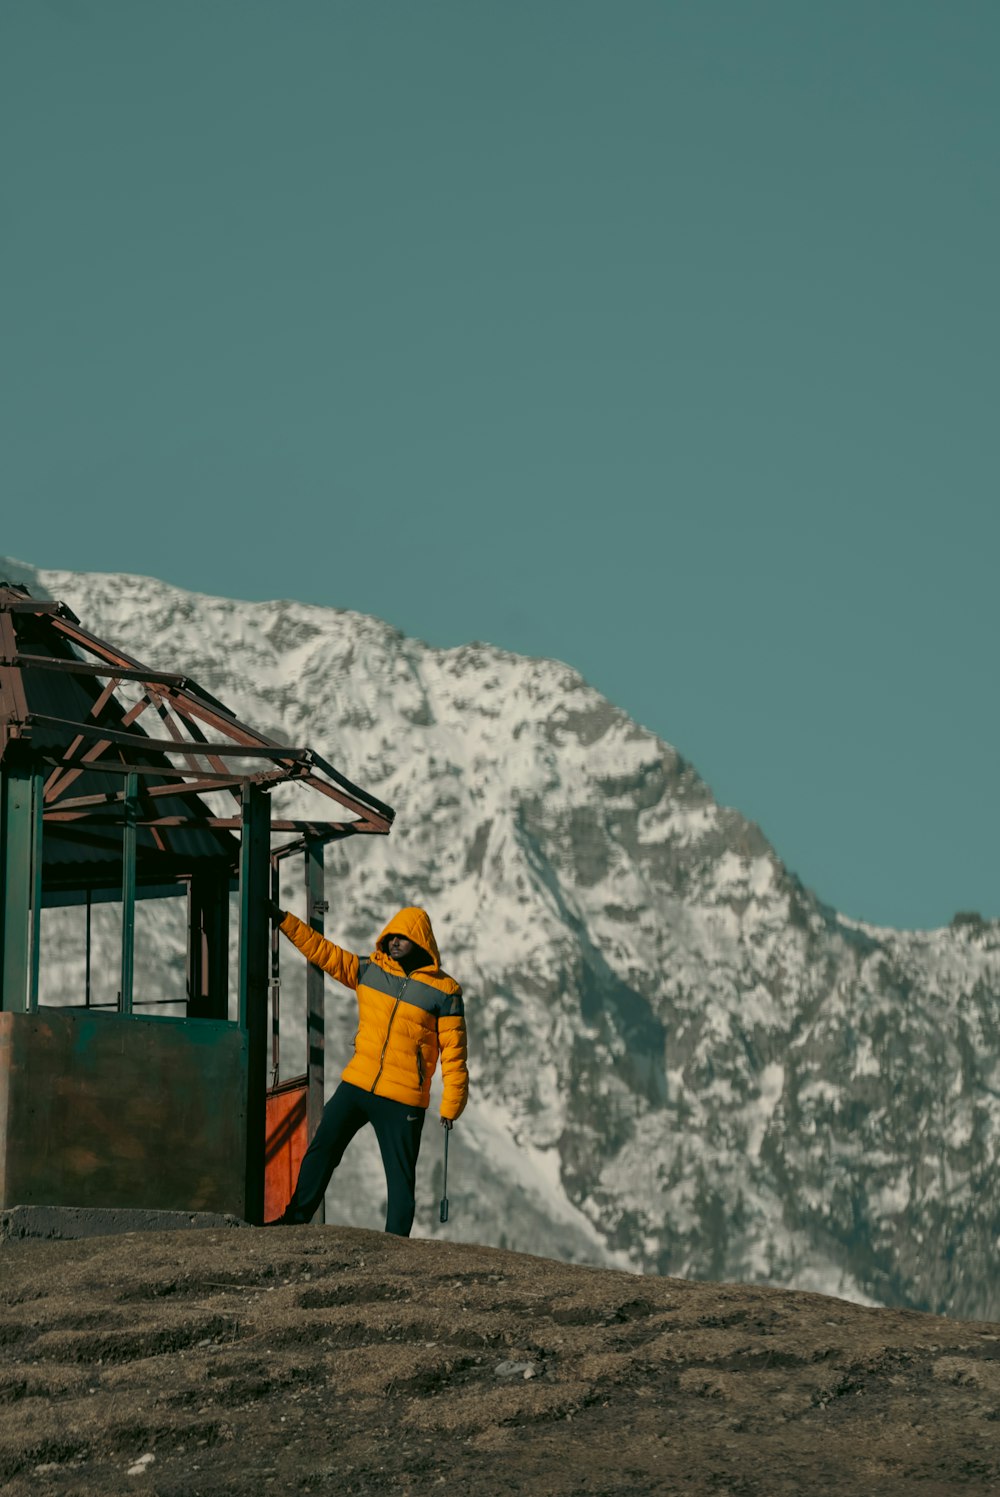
(95, 1221)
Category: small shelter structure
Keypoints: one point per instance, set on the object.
(111, 774)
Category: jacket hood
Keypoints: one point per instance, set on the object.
(415, 924)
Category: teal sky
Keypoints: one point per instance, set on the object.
(662, 338)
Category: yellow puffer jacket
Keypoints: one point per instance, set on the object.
(405, 1021)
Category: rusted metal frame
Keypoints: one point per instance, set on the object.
(84, 668)
(154, 831)
(362, 827)
(15, 685)
(194, 728)
(82, 816)
(288, 849)
(240, 732)
(371, 804)
(74, 767)
(190, 758)
(101, 701)
(214, 753)
(36, 606)
(360, 808)
(87, 759)
(167, 745)
(53, 786)
(72, 820)
(75, 631)
(104, 651)
(156, 702)
(165, 705)
(207, 785)
(110, 799)
(327, 831)
(364, 805)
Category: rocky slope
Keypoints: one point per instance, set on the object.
(683, 1062)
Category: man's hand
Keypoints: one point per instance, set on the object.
(276, 912)
(448, 1123)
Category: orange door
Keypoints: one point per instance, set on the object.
(286, 1142)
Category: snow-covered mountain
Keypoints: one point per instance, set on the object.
(682, 1061)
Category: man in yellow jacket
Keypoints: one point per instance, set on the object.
(410, 1013)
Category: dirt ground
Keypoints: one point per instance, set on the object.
(326, 1360)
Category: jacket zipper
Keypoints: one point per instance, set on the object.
(385, 1042)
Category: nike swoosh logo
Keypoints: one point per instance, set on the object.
(412, 1119)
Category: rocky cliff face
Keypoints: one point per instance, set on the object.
(682, 1061)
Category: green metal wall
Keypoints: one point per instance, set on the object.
(117, 1110)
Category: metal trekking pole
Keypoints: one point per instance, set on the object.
(444, 1188)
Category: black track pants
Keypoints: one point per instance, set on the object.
(397, 1128)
